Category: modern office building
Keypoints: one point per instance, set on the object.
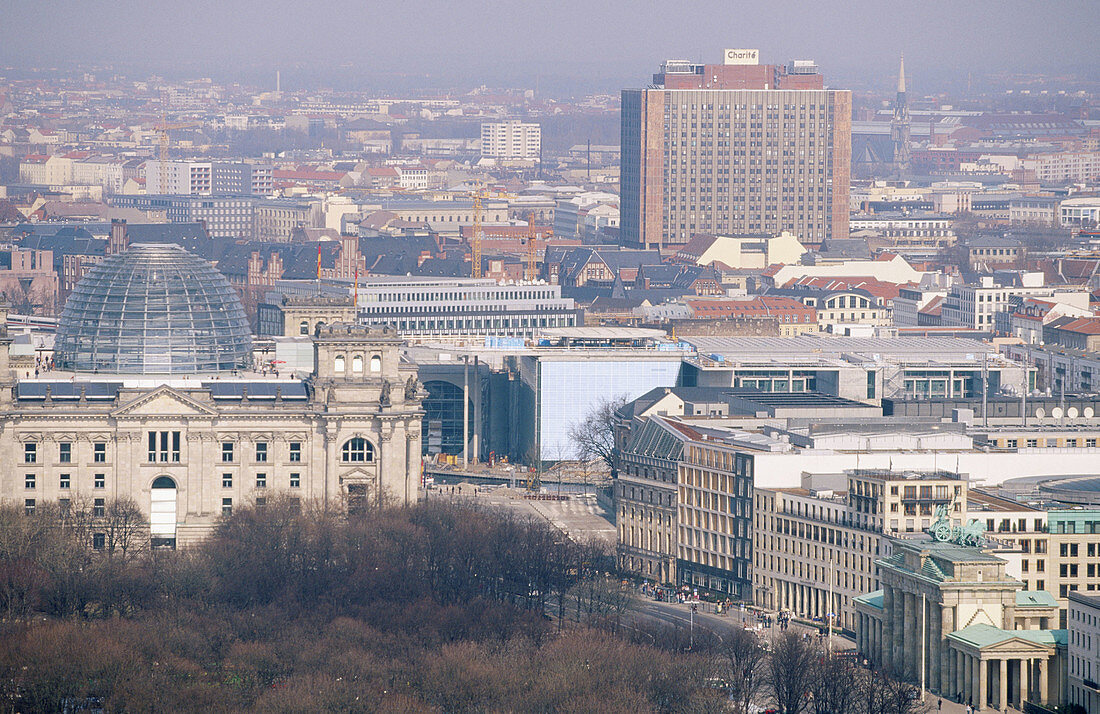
(447, 309)
(155, 400)
(859, 368)
(735, 148)
(815, 542)
(223, 216)
(1084, 651)
(512, 139)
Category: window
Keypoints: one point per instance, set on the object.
(295, 452)
(375, 363)
(65, 481)
(30, 453)
(261, 480)
(99, 541)
(227, 480)
(357, 363)
(100, 481)
(295, 480)
(303, 327)
(357, 450)
(261, 452)
(338, 366)
(164, 446)
(99, 453)
(99, 507)
(227, 452)
(29, 481)
(65, 452)
(28, 506)
(227, 506)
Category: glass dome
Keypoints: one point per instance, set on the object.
(153, 309)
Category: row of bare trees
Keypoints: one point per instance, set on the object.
(792, 673)
(437, 607)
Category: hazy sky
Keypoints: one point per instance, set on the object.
(510, 42)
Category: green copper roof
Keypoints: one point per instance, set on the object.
(872, 599)
(982, 636)
(1035, 598)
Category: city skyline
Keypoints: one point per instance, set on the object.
(348, 45)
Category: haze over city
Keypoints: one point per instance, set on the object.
(368, 46)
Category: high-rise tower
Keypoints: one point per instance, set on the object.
(899, 125)
(735, 148)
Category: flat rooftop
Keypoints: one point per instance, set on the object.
(817, 347)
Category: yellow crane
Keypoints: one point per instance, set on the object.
(162, 133)
(476, 238)
(531, 273)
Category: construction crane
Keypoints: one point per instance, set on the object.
(531, 273)
(162, 133)
(476, 239)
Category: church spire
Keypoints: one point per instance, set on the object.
(901, 75)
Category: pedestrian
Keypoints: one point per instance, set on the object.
(939, 705)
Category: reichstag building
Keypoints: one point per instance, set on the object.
(153, 395)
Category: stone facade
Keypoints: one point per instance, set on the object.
(348, 434)
(950, 619)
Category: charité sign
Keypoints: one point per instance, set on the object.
(742, 57)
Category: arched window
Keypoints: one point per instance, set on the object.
(357, 451)
(357, 363)
(375, 363)
(339, 363)
(303, 327)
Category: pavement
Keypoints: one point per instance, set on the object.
(578, 516)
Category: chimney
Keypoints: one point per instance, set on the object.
(118, 241)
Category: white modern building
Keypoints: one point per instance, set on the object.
(512, 139)
(449, 309)
(1079, 212)
(189, 178)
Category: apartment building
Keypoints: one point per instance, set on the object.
(979, 305)
(734, 148)
(205, 178)
(512, 139)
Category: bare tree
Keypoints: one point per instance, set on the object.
(125, 529)
(836, 686)
(594, 434)
(743, 660)
(790, 672)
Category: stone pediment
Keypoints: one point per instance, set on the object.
(163, 401)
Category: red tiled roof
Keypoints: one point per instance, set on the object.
(1083, 326)
(934, 306)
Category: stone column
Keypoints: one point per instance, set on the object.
(888, 605)
(959, 668)
(911, 637)
(1002, 685)
(981, 698)
(1044, 689)
(1025, 680)
(968, 678)
(935, 650)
